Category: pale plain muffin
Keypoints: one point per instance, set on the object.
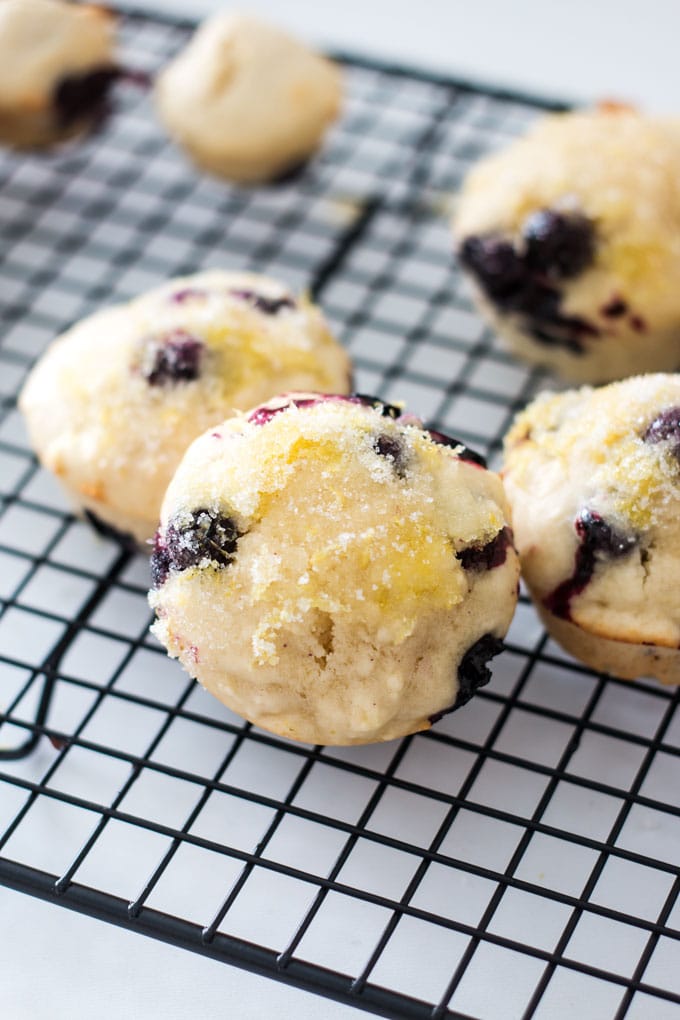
(113, 404)
(332, 571)
(247, 101)
(57, 64)
(593, 479)
(571, 237)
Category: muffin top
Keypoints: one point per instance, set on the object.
(379, 517)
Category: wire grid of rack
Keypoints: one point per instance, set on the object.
(521, 858)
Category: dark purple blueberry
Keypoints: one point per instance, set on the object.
(601, 538)
(614, 308)
(598, 541)
(665, 428)
(473, 672)
(262, 415)
(191, 539)
(123, 538)
(497, 267)
(392, 448)
(160, 562)
(85, 97)
(524, 283)
(558, 244)
(179, 297)
(176, 357)
(266, 305)
(485, 557)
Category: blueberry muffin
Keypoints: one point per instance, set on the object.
(570, 237)
(246, 100)
(113, 404)
(332, 571)
(593, 479)
(57, 65)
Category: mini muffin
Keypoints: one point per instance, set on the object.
(593, 479)
(56, 68)
(572, 239)
(113, 404)
(246, 100)
(332, 571)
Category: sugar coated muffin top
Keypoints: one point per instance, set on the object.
(348, 542)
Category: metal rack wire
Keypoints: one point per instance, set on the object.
(520, 857)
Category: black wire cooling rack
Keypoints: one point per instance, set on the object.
(522, 859)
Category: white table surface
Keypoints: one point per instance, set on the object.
(59, 964)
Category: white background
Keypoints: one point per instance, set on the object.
(62, 965)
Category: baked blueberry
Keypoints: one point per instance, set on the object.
(665, 428)
(261, 415)
(558, 244)
(202, 537)
(485, 557)
(599, 538)
(174, 358)
(473, 672)
(184, 294)
(524, 284)
(392, 448)
(264, 304)
(598, 541)
(84, 97)
(497, 267)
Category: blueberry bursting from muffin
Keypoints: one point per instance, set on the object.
(173, 358)
(85, 98)
(599, 540)
(177, 356)
(524, 277)
(665, 428)
(202, 536)
(473, 672)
